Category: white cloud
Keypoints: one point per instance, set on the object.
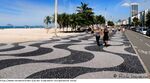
(126, 4)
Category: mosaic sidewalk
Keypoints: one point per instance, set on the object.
(73, 57)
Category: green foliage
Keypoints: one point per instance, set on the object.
(99, 20)
(63, 20)
(74, 21)
(136, 21)
(83, 18)
(85, 14)
(148, 20)
(110, 23)
(47, 20)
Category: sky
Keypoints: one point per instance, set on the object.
(32, 12)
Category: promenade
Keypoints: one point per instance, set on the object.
(74, 57)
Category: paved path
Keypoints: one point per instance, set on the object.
(142, 46)
(70, 57)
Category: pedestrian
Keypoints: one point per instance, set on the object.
(123, 30)
(97, 35)
(92, 29)
(106, 37)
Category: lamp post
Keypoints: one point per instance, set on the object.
(105, 17)
(56, 11)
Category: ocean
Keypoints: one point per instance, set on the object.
(21, 27)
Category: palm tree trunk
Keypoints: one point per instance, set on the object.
(63, 28)
(47, 29)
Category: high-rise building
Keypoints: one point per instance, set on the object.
(129, 21)
(142, 18)
(134, 9)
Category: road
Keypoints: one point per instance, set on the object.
(142, 46)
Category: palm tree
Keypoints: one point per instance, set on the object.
(84, 18)
(64, 20)
(100, 19)
(47, 21)
(110, 23)
(86, 14)
(136, 21)
(67, 21)
(82, 8)
(73, 21)
(60, 21)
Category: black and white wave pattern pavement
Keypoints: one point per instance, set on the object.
(70, 57)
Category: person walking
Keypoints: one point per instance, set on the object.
(97, 35)
(123, 30)
(106, 37)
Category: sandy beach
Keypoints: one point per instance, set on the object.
(22, 35)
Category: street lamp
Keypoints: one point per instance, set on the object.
(105, 17)
(56, 11)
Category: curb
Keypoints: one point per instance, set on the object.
(145, 68)
(145, 36)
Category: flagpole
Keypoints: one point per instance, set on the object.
(56, 12)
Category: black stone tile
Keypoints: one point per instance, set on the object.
(73, 36)
(126, 43)
(130, 50)
(14, 62)
(1, 44)
(16, 47)
(86, 37)
(94, 48)
(128, 66)
(63, 73)
(73, 41)
(38, 52)
(74, 57)
(131, 63)
(51, 41)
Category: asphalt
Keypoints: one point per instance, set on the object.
(142, 45)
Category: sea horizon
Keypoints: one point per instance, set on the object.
(21, 27)
(10, 26)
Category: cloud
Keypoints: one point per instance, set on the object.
(126, 4)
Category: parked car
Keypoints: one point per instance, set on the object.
(148, 32)
(143, 31)
(133, 28)
(138, 29)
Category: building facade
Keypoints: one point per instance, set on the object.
(134, 13)
(134, 9)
